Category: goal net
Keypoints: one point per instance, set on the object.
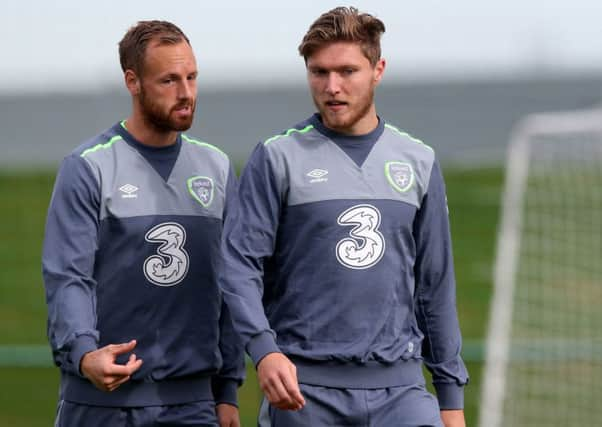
(544, 345)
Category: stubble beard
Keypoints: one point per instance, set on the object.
(356, 112)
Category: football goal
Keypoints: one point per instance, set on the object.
(544, 345)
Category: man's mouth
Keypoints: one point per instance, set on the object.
(183, 109)
(335, 105)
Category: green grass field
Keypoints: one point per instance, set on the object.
(28, 395)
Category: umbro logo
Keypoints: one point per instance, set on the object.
(128, 191)
(317, 175)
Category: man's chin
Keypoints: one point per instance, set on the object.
(336, 123)
(181, 125)
(181, 128)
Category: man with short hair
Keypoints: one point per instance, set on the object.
(136, 321)
(339, 272)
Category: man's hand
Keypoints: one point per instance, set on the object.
(100, 368)
(453, 418)
(278, 379)
(227, 415)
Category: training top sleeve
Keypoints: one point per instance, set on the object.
(70, 244)
(249, 238)
(232, 372)
(436, 296)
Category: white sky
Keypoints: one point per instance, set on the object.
(72, 45)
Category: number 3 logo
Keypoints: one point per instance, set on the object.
(170, 266)
(366, 245)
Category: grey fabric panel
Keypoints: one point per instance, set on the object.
(296, 156)
(153, 195)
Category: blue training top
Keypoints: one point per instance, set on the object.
(132, 251)
(345, 264)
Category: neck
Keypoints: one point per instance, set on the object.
(148, 134)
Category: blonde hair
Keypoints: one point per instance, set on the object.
(344, 24)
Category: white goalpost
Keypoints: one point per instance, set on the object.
(544, 345)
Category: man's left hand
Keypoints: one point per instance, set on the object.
(227, 415)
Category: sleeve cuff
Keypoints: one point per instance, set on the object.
(82, 345)
(261, 345)
(225, 390)
(450, 396)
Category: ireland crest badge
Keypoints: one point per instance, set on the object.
(201, 188)
(400, 175)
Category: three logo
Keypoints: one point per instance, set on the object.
(366, 244)
(170, 265)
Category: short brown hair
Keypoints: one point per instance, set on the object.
(133, 45)
(344, 24)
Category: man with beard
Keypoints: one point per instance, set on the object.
(339, 272)
(131, 255)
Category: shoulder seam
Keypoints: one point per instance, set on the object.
(101, 146)
(203, 144)
(288, 133)
(407, 135)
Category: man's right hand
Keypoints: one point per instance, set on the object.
(100, 368)
(277, 378)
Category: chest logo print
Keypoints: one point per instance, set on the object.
(365, 245)
(201, 188)
(128, 191)
(317, 175)
(400, 175)
(170, 265)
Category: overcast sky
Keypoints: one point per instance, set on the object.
(72, 45)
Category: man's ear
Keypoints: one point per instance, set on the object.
(132, 82)
(379, 70)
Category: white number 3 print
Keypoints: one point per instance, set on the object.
(170, 266)
(366, 245)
